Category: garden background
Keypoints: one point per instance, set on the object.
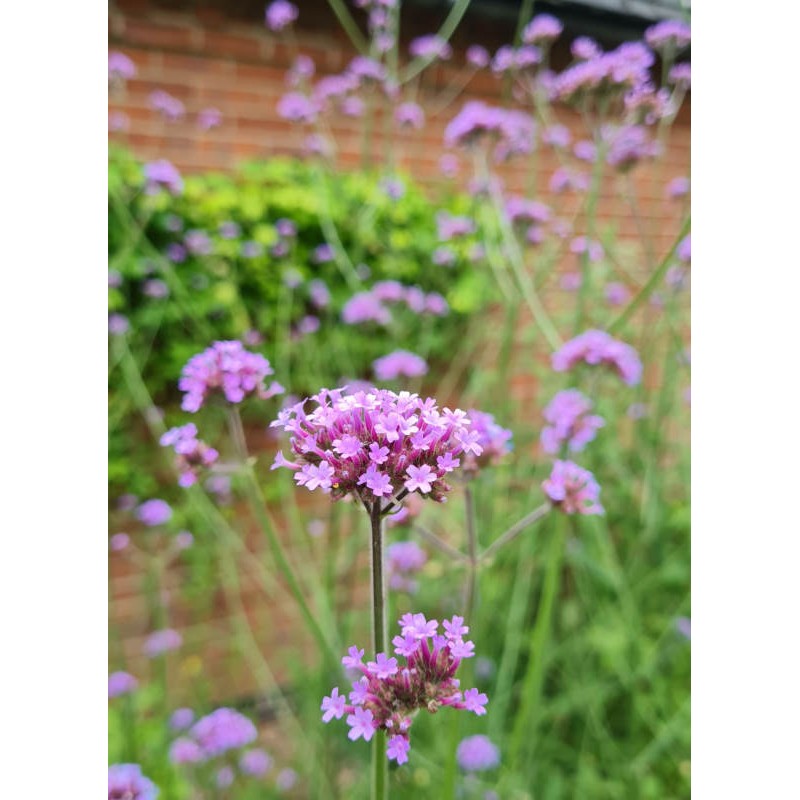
(607, 713)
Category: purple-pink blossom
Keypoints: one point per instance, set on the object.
(192, 454)
(120, 683)
(398, 364)
(160, 642)
(403, 561)
(409, 115)
(543, 28)
(222, 730)
(430, 47)
(477, 56)
(225, 367)
(394, 432)
(598, 348)
(126, 782)
(209, 118)
(570, 423)
(154, 512)
(162, 174)
(280, 14)
(120, 67)
(669, 34)
(573, 489)
(389, 693)
(477, 753)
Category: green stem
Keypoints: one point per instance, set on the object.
(515, 530)
(532, 688)
(472, 551)
(379, 763)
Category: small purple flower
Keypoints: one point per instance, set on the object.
(420, 479)
(168, 106)
(617, 294)
(120, 67)
(477, 56)
(181, 718)
(161, 642)
(354, 659)
(668, 34)
(154, 512)
(681, 76)
(333, 706)
(118, 542)
(126, 782)
(477, 753)
(296, 107)
(430, 47)
(162, 174)
(678, 187)
(569, 422)
(404, 560)
(280, 14)
(118, 324)
(186, 751)
(475, 701)
(409, 115)
(323, 254)
(156, 289)
(118, 121)
(599, 348)
(397, 749)
(222, 730)
(383, 667)
(585, 49)
(228, 368)
(684, 250)
(209, 118)
(286, 779)
(399, 363)
(120, 683)
(573, 489)
(225, 777)
(684, 627)
(255, 762)
(542, 29)
(198, 243)
(229, 230)
(251, 249)
(176, 253)
(361, 724)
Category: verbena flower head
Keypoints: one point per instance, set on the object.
(681, 75)
(296, 107)
(398, 364)
(573, 489)
(668, 34)
(628, 145)
(513, 130)
(255, 762)
(228, 368)
(280, 14)
(193, 455)
(494, 440)
(120, 67)
(477, 753)
(410, 115)
(222, 730)
(120, 683)
(477, 56)
(678, 187)
(404, 560)
(126, 782)
(209, 118)
(391, 691)
(181, 718)
(431, 46)
(186, 751)
(154, 512)
(118, 324)
(375, 444)
(160, 642)
(617, 293)
(541, 29)
(168, 106)
(599, 348)
(571, 424)
(162, 174)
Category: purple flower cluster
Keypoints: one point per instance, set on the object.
(228, 367)
(403, 561)
(523, 211)
(120, 67)
(514, 130)
(280, 14)
(495, 441)
(678, 187)
(120, 683)
(670, 34)
(681, 76)
(160, 642)
(628, 145)
(453, 227)
(126, 782)
(388, 694)
(409, 115)
(570, 423)
(209, 118)
(154, 512)
(599, 348)
(542, 29)
(297, 107)
(162, 174)
(605, 74)
(375, 444)
(193, 455)
(430, 47)
(477, 56)
(573, 489)
(371, 306)
(477, 753)
(509, 59)
(222, 730)
(168, 106)
(398, 364)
